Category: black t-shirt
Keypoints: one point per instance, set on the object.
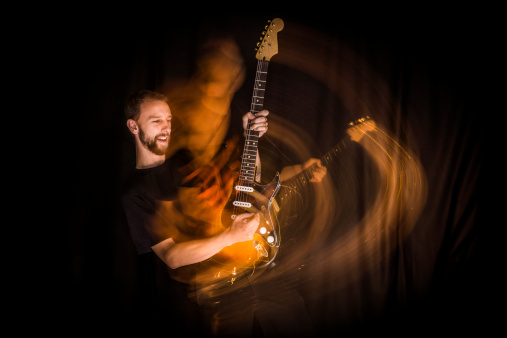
(145, 191)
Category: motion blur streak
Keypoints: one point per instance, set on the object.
(333, 232)
(325, 253)
(398, 203)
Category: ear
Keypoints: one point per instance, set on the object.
(132, 125)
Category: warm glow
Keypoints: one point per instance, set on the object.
(346, 232)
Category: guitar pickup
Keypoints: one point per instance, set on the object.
(242, 204)
(243, 188)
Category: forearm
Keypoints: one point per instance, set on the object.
(184, 253)
(290, 171)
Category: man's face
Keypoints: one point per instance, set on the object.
(155, 126)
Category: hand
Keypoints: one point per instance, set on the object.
(244, 226)
(320, 170)
(259, 122)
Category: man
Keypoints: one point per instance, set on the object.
(151, 194)
(149, 120)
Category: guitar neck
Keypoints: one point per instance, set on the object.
(252, 137)
(306, 175)
(259, 86)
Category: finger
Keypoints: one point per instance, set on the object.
(262, 126)
(259, 120)
(248, 116)
(262, 113)
(244, 216)
(310, 162)
(253, 222)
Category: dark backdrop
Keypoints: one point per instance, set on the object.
(421, 76)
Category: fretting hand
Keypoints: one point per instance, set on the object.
(259, 122)
(319, 172)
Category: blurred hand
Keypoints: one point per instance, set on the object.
(319, 172)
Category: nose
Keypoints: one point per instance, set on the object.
(167, 127)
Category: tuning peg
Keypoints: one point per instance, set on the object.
(263, 32)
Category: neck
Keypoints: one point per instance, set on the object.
(144, 163)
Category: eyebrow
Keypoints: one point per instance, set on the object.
(157, 117)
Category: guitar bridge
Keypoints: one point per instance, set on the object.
(260, 249)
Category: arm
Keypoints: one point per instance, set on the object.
(291, 171)
(176, 255)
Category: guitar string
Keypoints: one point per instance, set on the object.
(300, 180)
(261, 67)
(260, 77)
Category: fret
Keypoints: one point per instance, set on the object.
(252, 137)
(247, 177)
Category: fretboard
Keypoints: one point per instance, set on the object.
(252, 137)
(296, 183)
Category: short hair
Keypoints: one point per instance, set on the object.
(134, 101)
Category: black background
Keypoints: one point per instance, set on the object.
(436, 65)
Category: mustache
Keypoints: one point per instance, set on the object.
(162, 135)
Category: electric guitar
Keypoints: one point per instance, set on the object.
(248, 196)
(295, 185)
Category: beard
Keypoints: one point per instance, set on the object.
(151, 143)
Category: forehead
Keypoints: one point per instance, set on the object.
(155, 108)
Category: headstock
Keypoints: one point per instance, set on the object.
(359, 127)
(269, 43)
